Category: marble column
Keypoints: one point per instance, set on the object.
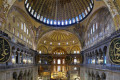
(19, 56)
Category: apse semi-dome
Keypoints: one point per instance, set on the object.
(59, 37)
(59, 12)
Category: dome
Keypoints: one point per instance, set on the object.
(59, 12)
(59, 37)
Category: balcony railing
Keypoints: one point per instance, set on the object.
(15, 66)
(102, 67)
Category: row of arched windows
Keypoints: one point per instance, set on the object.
(96, 57)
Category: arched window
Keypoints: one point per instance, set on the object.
(38, 16)
(22, 26)
(48, 21)
(80, 17)
(55, 22)
(63, 61)
(58, 61)
(51, 22)
(27, 31)
(41, 18)
(58, 68)
(58, 22)
(54, 61)
(44, 20)
(75, 61)
(70, 21)
(62, 22)
(73, 20)
(66, 22)
(83, 15)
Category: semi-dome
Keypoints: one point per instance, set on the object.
(59, 37)
(59, 12)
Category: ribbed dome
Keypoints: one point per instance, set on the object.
(59, 37)
(59, 12)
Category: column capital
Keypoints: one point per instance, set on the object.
(19, 52)
(14, 51)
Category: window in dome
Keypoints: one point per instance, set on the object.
(29, 9)
(74, 52)
(55, 22)
(73, 20)
(35, 14)
(83, 15)
(58, 43)
(44, 20)
(91, 5)
(32, 12)
(77, 19)
(41, 18)
(92, 1)
(78, 52)
(66, 22)
(58, 22)
(38, 16)
(67, 43)
(75, 61)
(48, 21)
(62, 22)
(70, 21)
(51, 22)
(88, 9)
(26, 1)
(80, 17)
(27, 5)
(86, 12)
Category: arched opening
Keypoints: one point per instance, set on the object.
(42, 49)
(15, 76)
(20, 77)
(75, 50)
(104, 55)
(103, 76)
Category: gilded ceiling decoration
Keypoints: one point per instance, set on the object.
(59, 37)
(59, 12)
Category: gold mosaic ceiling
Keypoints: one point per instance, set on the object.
(59, 37)
(59, 12)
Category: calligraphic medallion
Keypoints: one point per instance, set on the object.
(114, 51)
(4, 50)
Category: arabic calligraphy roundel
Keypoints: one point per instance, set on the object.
(4, 50)
(114, 51)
